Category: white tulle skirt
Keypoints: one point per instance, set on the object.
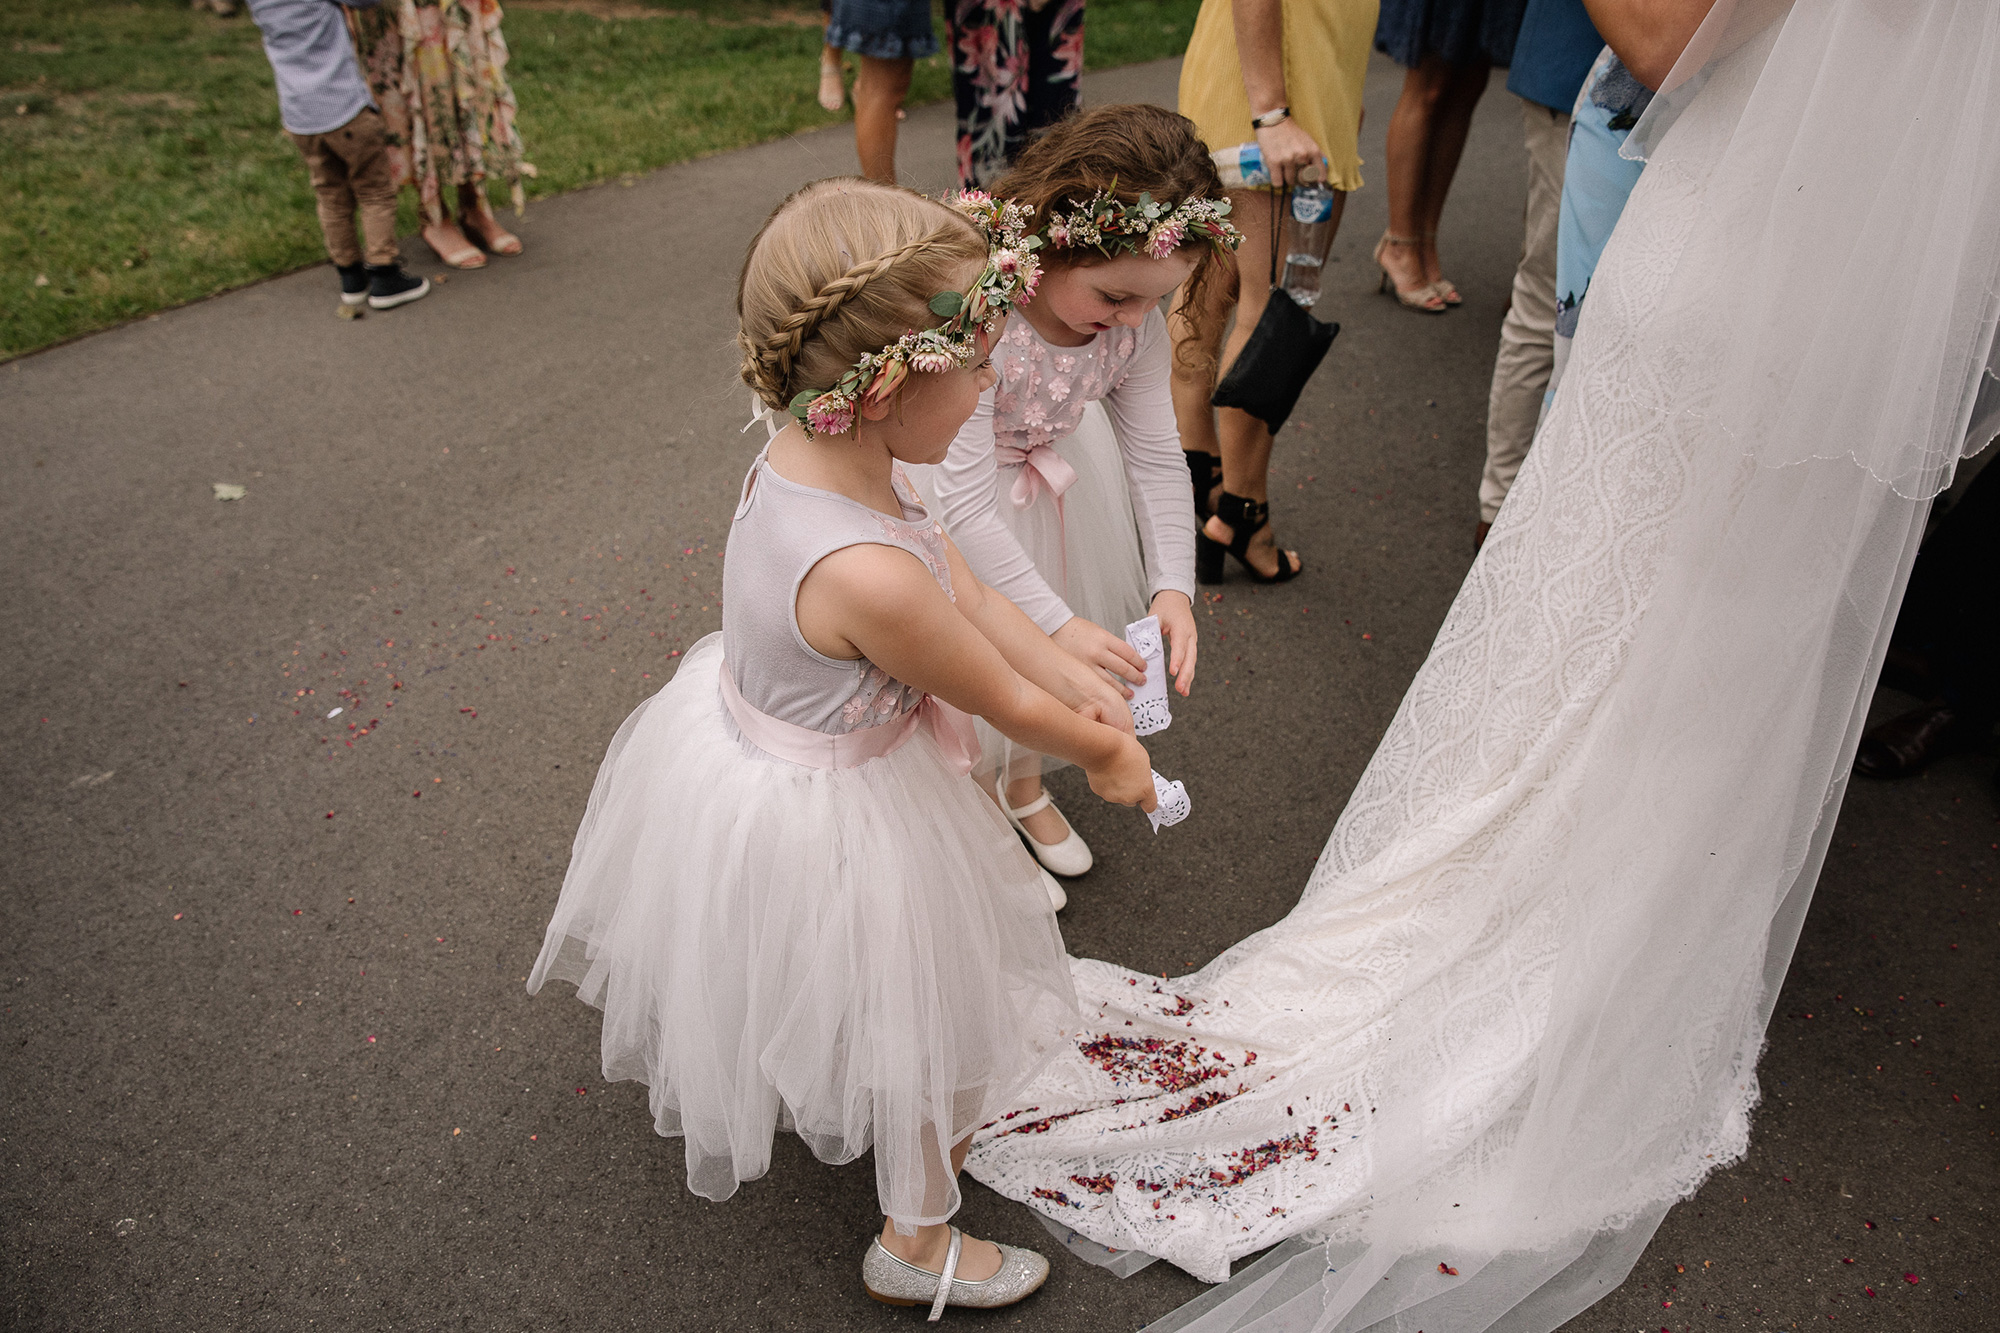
(1088, 551)
(864, 955)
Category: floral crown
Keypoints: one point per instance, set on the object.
(1147, 227)
(1008, 279)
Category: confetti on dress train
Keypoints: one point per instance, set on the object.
(1173, 804)
(1150, 712)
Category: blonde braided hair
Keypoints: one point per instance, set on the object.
(808, 310)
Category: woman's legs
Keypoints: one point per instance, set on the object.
(832, 79)
(1464, 85)
(1426, 137)
(977, 1259)
(1246, 441)
(878, 95)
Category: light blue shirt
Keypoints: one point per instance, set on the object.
(320, 87)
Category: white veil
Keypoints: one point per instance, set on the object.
(1547, 932)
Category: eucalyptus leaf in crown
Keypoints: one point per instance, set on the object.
(1147, 227)
(1008, 279)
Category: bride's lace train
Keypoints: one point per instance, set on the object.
(1517, 1009)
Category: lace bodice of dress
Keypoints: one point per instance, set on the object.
(781, 530)
(1041, 391)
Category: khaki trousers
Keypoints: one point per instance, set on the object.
(1528, 335)
(349, 167)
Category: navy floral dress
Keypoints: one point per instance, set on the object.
(883, 29)
(1015, 66)
(1462, 32)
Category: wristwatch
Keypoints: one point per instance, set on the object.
(1270, 118)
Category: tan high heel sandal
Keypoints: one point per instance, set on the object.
(1446, 289)
(1424, 299)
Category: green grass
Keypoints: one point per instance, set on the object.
(142, 164)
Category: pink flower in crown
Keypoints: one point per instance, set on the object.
(1058, 234)
(829, 414)
(975, 197)
(1166, 238)
(932, 360)
(1006, 262)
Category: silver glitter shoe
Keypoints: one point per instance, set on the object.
(895, 1282)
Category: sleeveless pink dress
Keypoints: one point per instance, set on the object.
(848, 942)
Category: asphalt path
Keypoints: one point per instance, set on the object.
(270, 1063)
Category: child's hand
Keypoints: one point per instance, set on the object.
(1095, 646)
(1107, 708)
(1176, 615)
(1126, 776)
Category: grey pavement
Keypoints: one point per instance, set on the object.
(269, 1059)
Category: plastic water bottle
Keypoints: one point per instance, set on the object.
(1241, 166)
(1308, 236)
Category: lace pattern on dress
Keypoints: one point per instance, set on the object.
(1206, 1118)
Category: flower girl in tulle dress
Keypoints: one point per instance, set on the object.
(1068, 490)
(793, 906)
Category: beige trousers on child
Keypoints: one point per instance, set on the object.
(350, 166)
(1528, 336)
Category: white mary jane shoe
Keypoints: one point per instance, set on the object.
(1053, 887)
(1070, 857)
(895, 1282)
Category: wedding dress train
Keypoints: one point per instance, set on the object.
(1517, 1010)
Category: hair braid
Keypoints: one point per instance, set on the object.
(771, 363)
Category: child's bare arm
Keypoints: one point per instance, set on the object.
(1034, 654)
(881, 603)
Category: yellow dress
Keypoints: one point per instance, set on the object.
(1326, 59)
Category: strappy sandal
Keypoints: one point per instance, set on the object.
(462, 255)
(1204, 471)
(1424, 299)
(894, 1281)
(1447, 291)
(1245, 519)
(483, 227)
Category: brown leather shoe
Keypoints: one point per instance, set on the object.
(1904, 746)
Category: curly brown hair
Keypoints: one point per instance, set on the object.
(843, 267)
(1130, 149)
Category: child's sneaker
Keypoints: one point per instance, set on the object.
(353, 283)
(389, 286)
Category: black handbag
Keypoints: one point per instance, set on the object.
(1284, 350)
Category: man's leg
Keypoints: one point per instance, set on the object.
(1527, 337)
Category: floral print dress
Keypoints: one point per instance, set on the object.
(438, 69)
(1015, 67)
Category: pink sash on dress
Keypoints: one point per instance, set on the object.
(1042, 468)
(950, 727)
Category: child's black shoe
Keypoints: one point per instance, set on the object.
(389, 286)
(353, 283)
